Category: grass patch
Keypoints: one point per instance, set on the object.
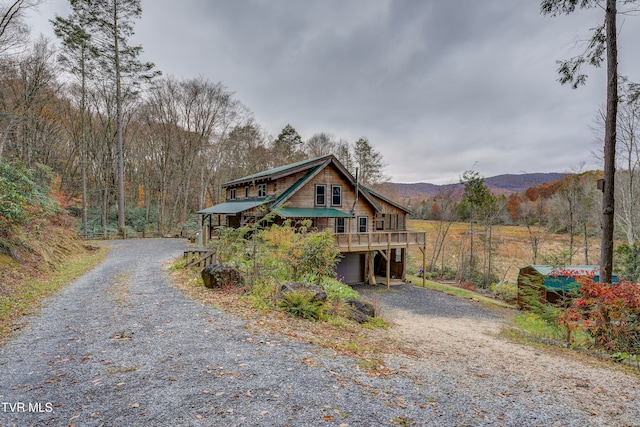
(24, 297)
(535, 326)
(530, 326)
(459, 292)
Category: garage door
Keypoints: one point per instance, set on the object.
(350, 269)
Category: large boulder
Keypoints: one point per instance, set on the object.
(360, 311)
(222, 275)
(319, 294)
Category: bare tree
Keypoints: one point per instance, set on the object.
(320, 144)
(187, 124)
(447, 208)
(13, 30)
(628, 154)
(29, 90)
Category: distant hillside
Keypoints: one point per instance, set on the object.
(501, 184)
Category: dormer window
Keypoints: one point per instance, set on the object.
(262, 190)
(232, 194)
(321, 195)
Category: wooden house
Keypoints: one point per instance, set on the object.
(369, 229)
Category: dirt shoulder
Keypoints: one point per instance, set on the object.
(459, 337)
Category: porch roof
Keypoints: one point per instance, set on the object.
(233, 206)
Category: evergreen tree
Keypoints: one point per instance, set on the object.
(78, 57)
(287, 148)
(110, 23)
(369, 163)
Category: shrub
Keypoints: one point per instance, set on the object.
(22, 198)
(505, 291)
(300, 304)
(338, 290)
(296, 254)
(610, 312)
(231, 245)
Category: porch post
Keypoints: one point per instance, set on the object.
(371, 267)
(423, 249)
(388, 260)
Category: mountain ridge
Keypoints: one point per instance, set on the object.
(504, 184)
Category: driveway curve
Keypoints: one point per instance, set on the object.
(122, 347)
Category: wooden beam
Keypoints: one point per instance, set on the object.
(389, 261)
(371, 269)
(424, 265)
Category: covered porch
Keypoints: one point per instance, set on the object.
(379, 254)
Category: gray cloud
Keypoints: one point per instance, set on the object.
(435, 85)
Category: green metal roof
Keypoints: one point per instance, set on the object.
(233, 206)
(564, 278)
(311, 213)
(276, 170)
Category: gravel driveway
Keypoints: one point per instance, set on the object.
(122, 347)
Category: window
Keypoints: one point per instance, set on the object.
(232, 194)
(246, 191)
(262, 190)
(336, 195)
(321, 193)
(340, 226)
(391, 221)
(379, 221)
(362, 224)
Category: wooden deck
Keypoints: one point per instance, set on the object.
(356, 242)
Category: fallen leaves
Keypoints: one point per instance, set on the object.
(55, 378)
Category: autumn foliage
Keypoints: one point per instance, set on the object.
(610, 312)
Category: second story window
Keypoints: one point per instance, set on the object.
(321, 195)
(246, 192)
(336, 195)
(232, 194)
(340, 225)
(363, 226)
(262, 190)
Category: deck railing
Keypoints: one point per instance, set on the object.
(380, 240)
(200, 257)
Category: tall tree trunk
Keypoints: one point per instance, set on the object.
(571, 234)
(83, 145)
(119, 144)
(606, 254)
(586, 244)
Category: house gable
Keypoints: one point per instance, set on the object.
(320, 188)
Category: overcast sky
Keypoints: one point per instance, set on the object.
(437, 86)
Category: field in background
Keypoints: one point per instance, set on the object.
(512, 248)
